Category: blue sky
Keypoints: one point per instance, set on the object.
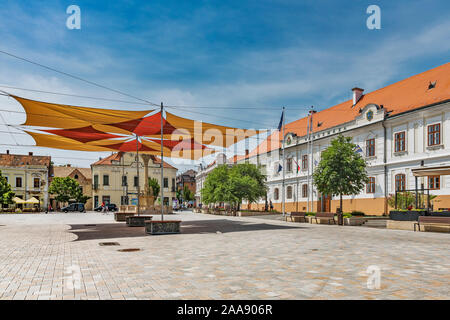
(263, 54)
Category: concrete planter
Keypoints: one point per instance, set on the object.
(154, 227)
(205, 210)
(137, 221)
(405, 215)
(251, 213)
(122, 216)
(354, 221)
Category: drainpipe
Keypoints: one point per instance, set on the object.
(385, 168)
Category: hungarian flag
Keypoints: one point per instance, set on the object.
(298, 167)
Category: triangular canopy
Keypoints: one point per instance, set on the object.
(95, 129)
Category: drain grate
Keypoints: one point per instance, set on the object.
(129, 250)
(109, 244)
(90, 225)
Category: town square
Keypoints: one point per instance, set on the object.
(213, 151)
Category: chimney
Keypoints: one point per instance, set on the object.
(7, 151)
(357, 94)
(30, 153)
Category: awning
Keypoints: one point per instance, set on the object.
(431, 171)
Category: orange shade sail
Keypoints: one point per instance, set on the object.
(94, 129)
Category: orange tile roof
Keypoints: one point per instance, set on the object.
(19, 160)
(399, 97)
(117, 156)
(65, 171)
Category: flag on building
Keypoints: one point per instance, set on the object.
(358, 149)
(279, 168)
(280, 125)
(298, 167)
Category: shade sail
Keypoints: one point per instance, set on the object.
(93, 129)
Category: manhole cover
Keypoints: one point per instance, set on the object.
(314, 249)
(129, 250)
(109, 244)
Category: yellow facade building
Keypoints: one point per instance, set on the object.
(28, 176)
(82, 175)
(115, 179)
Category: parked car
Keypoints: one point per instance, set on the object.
(111, 207)
(74, 207)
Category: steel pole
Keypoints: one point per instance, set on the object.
(137, 173)
(162, 166)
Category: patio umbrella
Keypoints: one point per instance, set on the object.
(18, 200)
(32, 200)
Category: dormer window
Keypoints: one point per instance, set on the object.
(432, 85)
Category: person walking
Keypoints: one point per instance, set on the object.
(271, 205)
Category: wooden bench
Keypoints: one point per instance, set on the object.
(301, 215)
(434, 221)
(326, 216)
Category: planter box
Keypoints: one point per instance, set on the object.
(137, 221)
(406, 215)
(440, 214)
(400, 225)
(162, 227)
(354, 221)
(205, 210)
(122, 216)
(251, 213)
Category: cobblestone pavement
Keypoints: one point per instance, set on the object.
(58, 256)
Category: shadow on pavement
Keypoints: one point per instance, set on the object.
(121, 230)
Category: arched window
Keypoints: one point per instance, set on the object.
(400, 182)
(289, 192)
(276, 194)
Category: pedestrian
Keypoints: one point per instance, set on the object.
(271, 205)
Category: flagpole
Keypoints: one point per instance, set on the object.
(312, 159)
(137, 173)
(162, 166)
(307, 163)
(283, 167)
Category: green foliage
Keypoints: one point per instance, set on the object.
(232, 185)
(154, 186)
(6, 194)
(408, 199)
(66, 189)
(187, 194)
(357, 213)
(341, 170)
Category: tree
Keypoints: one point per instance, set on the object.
(154, 186)
(65, 189)
(341, 170)
(187, 194)
(232, 185)
(80, 197)
(6, 194)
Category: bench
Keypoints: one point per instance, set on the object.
(326, 216)
(430, 220)
(301, 215)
